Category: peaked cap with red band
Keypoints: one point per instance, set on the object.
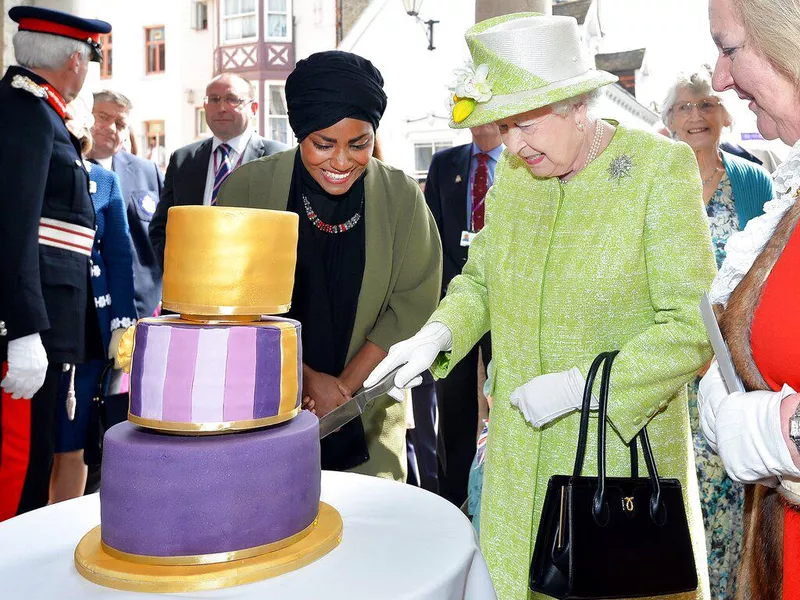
(55, 22)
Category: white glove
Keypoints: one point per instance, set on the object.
(116, 336)
(745, 429)
(550, 396)
(710, 394)
(416, 353)
(27, 366)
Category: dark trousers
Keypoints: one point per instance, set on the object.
(457, 396)
(27, 441)
(421, 441)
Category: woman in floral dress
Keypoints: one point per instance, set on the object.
(734, 191)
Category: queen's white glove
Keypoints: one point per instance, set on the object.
(27, 366)
(417, 353)
(550, 396)
(745, 429)
(116, 336)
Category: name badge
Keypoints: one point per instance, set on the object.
(467, 237)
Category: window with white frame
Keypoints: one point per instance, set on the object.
(200, 123)
(277, 115)
(278, 19)
(423, 153)
(239, 20)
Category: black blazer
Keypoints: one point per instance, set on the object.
(446, 195)
(142, 183)
(43, 289)
(185, 183)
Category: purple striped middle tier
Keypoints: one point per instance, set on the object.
(193, 377)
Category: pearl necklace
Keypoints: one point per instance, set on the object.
(596, 142)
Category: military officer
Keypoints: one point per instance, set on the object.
(46, 236)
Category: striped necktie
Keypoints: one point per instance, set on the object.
(222, 168)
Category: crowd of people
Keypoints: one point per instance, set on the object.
(555, 235)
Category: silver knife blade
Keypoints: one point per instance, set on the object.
(343, 414)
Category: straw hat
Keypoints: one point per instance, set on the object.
(522, 61)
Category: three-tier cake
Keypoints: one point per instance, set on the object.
(215, 478)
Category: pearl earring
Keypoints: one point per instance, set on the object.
(581, 125)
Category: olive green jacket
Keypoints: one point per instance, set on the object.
(402, 276)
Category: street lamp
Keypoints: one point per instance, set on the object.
(412, 9)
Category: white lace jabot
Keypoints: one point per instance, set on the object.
(743, 247)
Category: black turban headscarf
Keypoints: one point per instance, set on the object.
(330, 86)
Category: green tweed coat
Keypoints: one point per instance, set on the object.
(402, 277)
(617, 258)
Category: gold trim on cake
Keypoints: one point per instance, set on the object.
(207, 559)
(203, 312)
(222, 261)
(213, 427)
(289, 383)
(93, 563)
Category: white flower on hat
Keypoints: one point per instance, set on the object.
(471, 83)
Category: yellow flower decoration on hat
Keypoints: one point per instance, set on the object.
(125, 349)
(469, 89)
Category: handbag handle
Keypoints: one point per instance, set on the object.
(599, 507)
(101, 390)
(583, 432)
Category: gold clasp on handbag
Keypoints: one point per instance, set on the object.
(627, 503)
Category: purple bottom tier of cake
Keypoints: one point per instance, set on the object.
(170, 496)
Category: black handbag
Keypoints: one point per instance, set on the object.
(612, 537)
(105, 412)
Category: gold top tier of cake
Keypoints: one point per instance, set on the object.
(228, 263)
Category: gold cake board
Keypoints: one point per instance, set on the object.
(99, 567)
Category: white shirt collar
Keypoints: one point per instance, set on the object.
(239, 143)
(105, 162)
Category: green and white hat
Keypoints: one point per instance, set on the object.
(521, 62)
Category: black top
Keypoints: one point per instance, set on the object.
(328, 275)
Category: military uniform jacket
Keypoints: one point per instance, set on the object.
(46, 220)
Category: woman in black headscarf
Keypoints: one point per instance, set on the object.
(369, 258)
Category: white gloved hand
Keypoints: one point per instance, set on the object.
(710, 394)
(116, 336)
(550, 396)
(749, 437)
(27, 366)
(417, 353)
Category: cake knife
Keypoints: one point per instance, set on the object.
(343, 414)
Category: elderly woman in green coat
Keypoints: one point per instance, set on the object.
(595, 240)
(369, 259)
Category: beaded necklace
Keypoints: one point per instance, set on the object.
(596, 142)
(323, 226)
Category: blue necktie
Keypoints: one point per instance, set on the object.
(223, 169)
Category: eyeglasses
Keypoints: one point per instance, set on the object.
(703, 106)
(232, 101)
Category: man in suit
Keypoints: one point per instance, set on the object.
(455, 189)
(196, 172)
(47, 231)
(141, 182)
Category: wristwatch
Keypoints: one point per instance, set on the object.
(794, 428)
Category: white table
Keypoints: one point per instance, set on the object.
(398, 542)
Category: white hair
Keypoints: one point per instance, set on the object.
(589, 99)
(36, 50)
(699, 84)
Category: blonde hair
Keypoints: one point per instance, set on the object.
(773, 26)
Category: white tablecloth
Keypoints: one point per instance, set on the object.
(398, 542)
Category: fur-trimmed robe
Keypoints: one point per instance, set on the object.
(761, 571)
